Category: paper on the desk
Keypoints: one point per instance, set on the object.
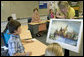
(5, 48)
(33, 39)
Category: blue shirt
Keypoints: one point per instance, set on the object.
(6, 36)
(15, 45)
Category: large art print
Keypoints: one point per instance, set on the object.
(66, 32)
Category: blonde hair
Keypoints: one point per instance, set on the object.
(54, 49)
(63, 4)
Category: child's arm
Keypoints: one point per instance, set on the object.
(12, 46)
(27, 41)
(19, 54)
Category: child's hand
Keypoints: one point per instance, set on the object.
(27, 41)
(20, 54)
(40, 20)
(30, 41)
(28, 53)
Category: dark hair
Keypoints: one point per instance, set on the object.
(13, 25)
(50, 10)
(10, 18)
(35, 9)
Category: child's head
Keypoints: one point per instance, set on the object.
(35, 10)
(50, 11)
(14, 27)
(54, 49)
(10, 18)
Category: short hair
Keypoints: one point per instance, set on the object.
(54, 49)
(35, 9)
(50, 10)
(10, 18)
(13, 25)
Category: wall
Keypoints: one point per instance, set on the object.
(5, 10)
(22, 9)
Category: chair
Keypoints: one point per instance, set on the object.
(2, 36)
(29, 19)
(29, 26)
(48, 18)
(3, 43)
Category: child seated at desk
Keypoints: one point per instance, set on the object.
(6, 31)
(54, 49)
(36, 19)
(51, 14)
(15, 47)
(36, 16)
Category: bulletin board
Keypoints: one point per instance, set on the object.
(42, 4)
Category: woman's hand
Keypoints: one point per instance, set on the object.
(62, 17)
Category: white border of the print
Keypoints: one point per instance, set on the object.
(66, 46)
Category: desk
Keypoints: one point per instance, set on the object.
(34, 27)
(80, 17)
(25, 33)
(37, 48)
(37, 23)
(48, 20)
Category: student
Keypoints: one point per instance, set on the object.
(9, 19)
(36, 16)
(6, 31)
(54, 49)
(36, 19)
(65, 10)
(15, 47)
(51, 14)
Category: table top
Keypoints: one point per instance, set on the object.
(37, 48)
(48, 20)
(32, 23)
(25, 33)
(78, 17)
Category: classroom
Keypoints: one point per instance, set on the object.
(41, 28)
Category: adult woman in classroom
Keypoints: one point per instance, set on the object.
(65, 10)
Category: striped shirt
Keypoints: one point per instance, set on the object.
(15, 45)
